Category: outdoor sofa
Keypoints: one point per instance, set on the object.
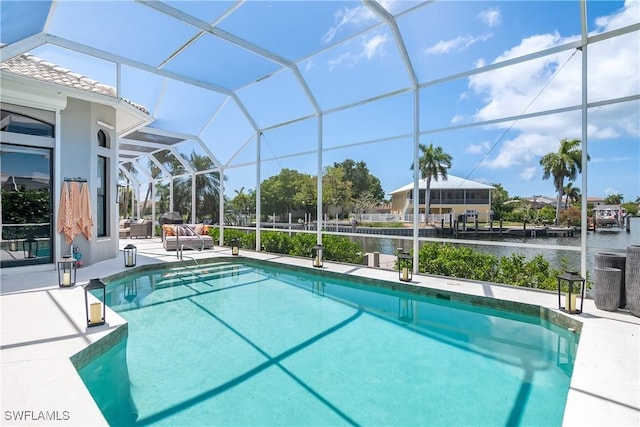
(193, 236)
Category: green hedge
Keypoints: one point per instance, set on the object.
(335, 248)
(434, 258)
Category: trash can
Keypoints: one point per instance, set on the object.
(607, 288)
(615, 261)
(632, 280)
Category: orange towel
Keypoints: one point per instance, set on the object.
(65, 224)
(86, 219)
(75, 208)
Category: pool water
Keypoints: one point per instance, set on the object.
(249, 344)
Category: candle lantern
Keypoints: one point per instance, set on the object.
(95, 311)
(130, 255)
(67, 269)
(30, 247)
(316, 254)
(235, 249)
(13, 245)
(571, 278)
(405, 267)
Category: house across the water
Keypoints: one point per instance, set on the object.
(451, 196)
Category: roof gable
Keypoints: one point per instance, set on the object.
(451, 183)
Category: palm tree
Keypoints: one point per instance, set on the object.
(572, 193)
(432, 164)
(564, 163)
(207, 186)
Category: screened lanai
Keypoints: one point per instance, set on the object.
(263, 114)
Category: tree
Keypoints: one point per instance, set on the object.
(572, 193)
(278, 192)
(564, 163)
(361, 180)
(499, 199)
(614, 199)
(432, 164)
(336, 190)
(207, 187)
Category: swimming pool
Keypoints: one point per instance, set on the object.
(249, 343)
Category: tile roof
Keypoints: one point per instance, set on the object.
(451, 183)
(30, 66)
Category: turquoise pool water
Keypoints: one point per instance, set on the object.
(249, 344)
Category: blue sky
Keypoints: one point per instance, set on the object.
(345, 54)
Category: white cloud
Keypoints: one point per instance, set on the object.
(609, 191)
(374, 46)
(348, 17)
(481, 148)
(491, 17)
(528, 173)
(458, 44)
(555, 81)
(370, 48)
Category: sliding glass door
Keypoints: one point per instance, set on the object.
(26, 219)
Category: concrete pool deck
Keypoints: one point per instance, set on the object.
(43, 326)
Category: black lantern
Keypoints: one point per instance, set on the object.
(67, 269)
(316, 254)
(13, 245)
(235, 249)
(405, 267)
(30, 247)
(95, 311)
(571, 277)
(130, 255)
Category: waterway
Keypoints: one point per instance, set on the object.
(599, 241)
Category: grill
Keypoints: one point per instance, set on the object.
(170, 218)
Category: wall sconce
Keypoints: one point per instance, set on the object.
(570, 306)
(235, 250)
(67, 269)
(30, 247)
(95, 311)
(130, 255)
(405, 267)
(316, 254)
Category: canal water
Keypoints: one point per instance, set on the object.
(599, 241)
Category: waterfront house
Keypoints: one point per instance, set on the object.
(452, 196)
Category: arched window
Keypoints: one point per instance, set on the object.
(19, 123)
(103, 139)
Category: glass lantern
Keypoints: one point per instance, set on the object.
(95, 312)
(571, 278)
(67, 269)
(235, 249)
(130, 255)
(405, 267)
(316, 255)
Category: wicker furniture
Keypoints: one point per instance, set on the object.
(191, 236)
(141, 228)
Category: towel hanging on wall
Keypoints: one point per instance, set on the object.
(74, 213)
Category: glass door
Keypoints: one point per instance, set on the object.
(26, 214)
